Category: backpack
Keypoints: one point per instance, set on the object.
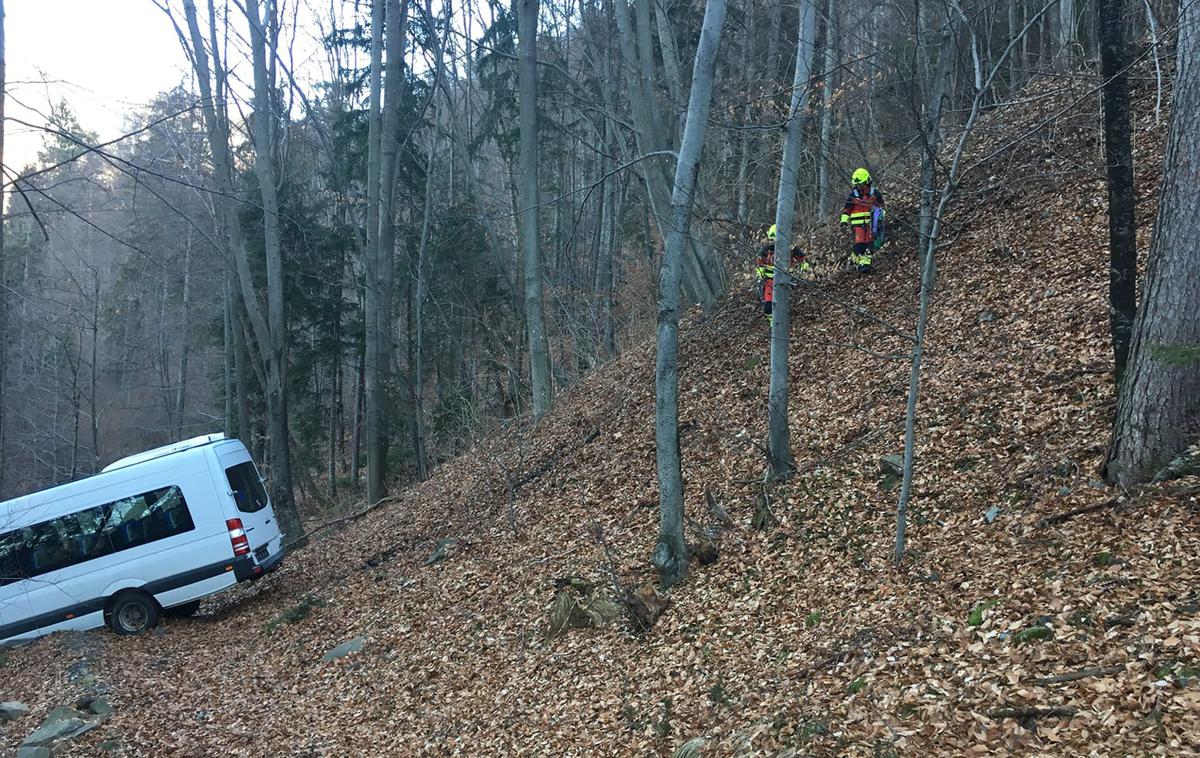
(878, 228)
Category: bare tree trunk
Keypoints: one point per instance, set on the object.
(93, 404)
(1155, 51)
(422, 282)
(356, 435)
(227, 351)
(274, 347)
(1158, 409)
(826, 149)
(702, 277)
(3, 275)
(335, 405)
(184, 322)
(162, 354)
(929, 263)
(780, 461)
(671, 553)
(241, 359)
(540, 374)
(1066, 32)
(382, 145)
(606, 265)
(939, 91)
(1118, 156)
(1014, 62)
(76, 408)
(418, 320)
(393, 87)
(670, 58)
(373, 376)
(743, 175)
(269, 328)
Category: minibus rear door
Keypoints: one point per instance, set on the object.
(253, 505)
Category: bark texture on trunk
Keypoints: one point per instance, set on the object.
(702, 277)
(531, 252)
(274, 346)
(1066, 32)
(671, 553)
(1158, 409)
(383, 130)
(780, 461)
(826, 149)
(939, 90)
(3, 269)
(268, 326)
(373, 397)
(1118, 157)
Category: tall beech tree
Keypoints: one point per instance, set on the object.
(671, 553)
(530, 211)
(778, 438)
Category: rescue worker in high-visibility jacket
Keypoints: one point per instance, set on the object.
(863, 214)
(765, 270)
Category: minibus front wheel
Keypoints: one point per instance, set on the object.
(132, 612)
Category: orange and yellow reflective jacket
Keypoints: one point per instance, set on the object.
(857, 211)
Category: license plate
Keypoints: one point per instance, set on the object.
(262, 553)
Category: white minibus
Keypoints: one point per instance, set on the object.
(150, 534)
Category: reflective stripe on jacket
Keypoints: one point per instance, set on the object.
(765, 263)
(857, 211)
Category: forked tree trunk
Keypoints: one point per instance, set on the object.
(778, 437)
(1158, 409)
(671, 553)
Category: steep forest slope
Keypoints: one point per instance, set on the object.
(800, 637)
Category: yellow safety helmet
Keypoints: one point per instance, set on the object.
(771, 233)
(861, 176)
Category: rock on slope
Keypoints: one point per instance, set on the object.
(802, 637)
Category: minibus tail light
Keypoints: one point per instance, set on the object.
(237, 536)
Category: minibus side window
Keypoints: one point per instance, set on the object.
(10, 570)
(98, 531)
(247, 488)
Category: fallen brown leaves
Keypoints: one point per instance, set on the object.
(801, 636)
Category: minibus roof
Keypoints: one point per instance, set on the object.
(159, 452)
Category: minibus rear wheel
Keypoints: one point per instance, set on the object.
(132, 612)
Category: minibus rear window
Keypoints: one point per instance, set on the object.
(247, 488)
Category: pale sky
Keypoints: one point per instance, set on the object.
(104, 57)
(109, 58)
